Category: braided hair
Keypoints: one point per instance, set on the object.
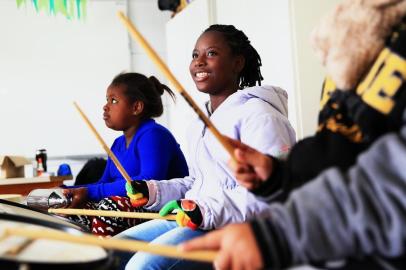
(241, 45)
(141, 88)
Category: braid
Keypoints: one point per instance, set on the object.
(241, 45)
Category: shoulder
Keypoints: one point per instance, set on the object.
(262, 99)
(118, 141)
(153, 130)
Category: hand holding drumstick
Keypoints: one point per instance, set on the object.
(252, 167)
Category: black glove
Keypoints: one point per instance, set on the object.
(138, 192)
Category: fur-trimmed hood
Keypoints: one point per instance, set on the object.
(351, 36)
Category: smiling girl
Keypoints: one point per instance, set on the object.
(223, 62)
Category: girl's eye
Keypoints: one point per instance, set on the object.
(194, 55)
(211, 53)
(114, 101)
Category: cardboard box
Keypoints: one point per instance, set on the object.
(12, 166)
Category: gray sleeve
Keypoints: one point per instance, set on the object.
(174, 189)
(343, 214)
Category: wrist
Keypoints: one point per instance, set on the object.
(153, 192)
(92, 193)
(272, 244)
(269, 161)
(273, 183)
(137, 188)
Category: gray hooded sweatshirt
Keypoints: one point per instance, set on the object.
(256, 116)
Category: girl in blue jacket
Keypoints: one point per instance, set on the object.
(146, 150)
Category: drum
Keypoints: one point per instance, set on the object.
(17, 252)
(12, 197)
(26, 211)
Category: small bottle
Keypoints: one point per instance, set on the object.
(40, 167)
(42, 154)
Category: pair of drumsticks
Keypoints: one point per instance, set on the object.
(131, 245)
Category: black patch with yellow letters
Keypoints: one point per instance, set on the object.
(349, 121)
(376, 106)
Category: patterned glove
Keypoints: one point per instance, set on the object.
(138, 193)
(188, 214)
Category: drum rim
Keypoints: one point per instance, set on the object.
(36, 221)
(81, 226)
(56, 226)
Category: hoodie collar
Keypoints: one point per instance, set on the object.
(274, 96)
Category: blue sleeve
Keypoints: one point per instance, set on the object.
(98, 191)
(154, 148)
(104, 187)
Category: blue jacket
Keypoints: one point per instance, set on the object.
(152, 154)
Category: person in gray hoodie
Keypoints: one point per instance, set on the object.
(223, 61)
(345, 185)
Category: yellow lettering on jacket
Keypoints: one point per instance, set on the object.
(383, 81)
(328, 87)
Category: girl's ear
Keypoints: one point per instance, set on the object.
(138, 107)
(239, 63)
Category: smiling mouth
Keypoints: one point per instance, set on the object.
(200, 76)
(105, 116)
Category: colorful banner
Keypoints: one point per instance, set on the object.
(69, 8)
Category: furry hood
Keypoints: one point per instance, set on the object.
(350, 37)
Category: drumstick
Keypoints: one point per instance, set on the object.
(168, 74)
(111, 243)
(12, 246)
(105, 213)
(18, 248)
(104, 145)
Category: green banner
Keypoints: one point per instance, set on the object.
(69, 8)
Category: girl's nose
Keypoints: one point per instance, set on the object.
(105, 107)
(199, 61)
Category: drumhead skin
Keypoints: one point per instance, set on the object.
(26, 211)
(48, 254)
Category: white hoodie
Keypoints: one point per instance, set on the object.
(257, 116)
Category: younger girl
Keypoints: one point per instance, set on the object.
(223, 61)
(146, 150)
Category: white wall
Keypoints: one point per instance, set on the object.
(308, 73)
(267, 24)
(279, 30)
(182, 32)
(47, 61)
(34, 72)
(150, 21)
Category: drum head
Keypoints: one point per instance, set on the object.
(26, 211)
(16, 251)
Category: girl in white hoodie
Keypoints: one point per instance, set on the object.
(223, 63)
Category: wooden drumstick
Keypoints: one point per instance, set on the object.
(104, 145)
(111, 243)
(168, 74)
(18, 248)
(105, 213)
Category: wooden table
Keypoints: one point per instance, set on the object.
(23, 186)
